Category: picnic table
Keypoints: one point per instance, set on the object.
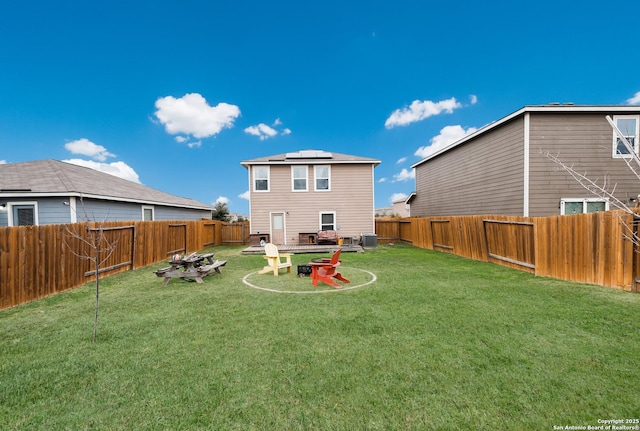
(194, 266)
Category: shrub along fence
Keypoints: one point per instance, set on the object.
(37, 261)
(590, 248)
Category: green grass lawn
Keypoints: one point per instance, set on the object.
(435, 342)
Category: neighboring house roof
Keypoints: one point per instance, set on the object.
(553, 108)
(45, 178)
(309, 157)
(388, 210)
(409, 198)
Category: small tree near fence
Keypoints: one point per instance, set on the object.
(91, 244)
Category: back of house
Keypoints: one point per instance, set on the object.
(295, 195)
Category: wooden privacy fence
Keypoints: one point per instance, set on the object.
(37, 261)
(590, 248)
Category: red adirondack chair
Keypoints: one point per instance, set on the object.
(325, 270)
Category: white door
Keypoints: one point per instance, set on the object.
(277, 228)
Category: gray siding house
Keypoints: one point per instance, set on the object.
(51, 191)
(501, 168)
(295, 195)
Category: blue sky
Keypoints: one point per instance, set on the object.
(174, 94)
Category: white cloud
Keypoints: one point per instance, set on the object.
(404, 175)
(382, 180)
(265, 132)
(401, 160)
(222, 200)
(262, 131)
(635, 100)
(87, 148)
(419, 110)
(447, 136)
(3, 162)
(245, 195)
(473, 99)
(397, 196)
(190, 144)
(192, 115)
(118, 169)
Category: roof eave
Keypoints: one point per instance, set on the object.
(104, 198)
(247, 163)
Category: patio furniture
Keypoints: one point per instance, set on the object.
(191, 266)
(275, 260)
(325, 270)
(327, 237)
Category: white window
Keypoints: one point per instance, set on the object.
(261, 178)
(299, 178)
(22, 213)
(328, 221)
(583, 205)
(628, 126)
(323, 177)
(147, 213)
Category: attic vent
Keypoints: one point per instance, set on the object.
(309, 154)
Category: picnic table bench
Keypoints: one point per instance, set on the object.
(191, 266)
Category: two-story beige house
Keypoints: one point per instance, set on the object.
(295, 195)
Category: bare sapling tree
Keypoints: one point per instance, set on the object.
(604, 188)
(92, 245)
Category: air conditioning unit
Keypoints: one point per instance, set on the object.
(369, 240)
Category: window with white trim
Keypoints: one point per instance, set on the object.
(328, 220)
(299, 178)
(147, 213)
(585, 205)
(22, 213)
(322, 175)
(628, 126)
(261, 178)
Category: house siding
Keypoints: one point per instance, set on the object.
(486, 174)
(583, 141)
(350, 197)
(122, 211)
(482, 176)
(55, 210)
(50, 210)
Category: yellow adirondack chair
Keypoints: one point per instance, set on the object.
(275, 260)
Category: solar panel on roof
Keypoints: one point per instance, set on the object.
(309, 154)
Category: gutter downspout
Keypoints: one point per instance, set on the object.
(525, 196)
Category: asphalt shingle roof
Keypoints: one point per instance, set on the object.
(56, 178)
(309, 157)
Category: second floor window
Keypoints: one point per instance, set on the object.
(261, 178)
(628, 125)
(323, 178)
(299, 178)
